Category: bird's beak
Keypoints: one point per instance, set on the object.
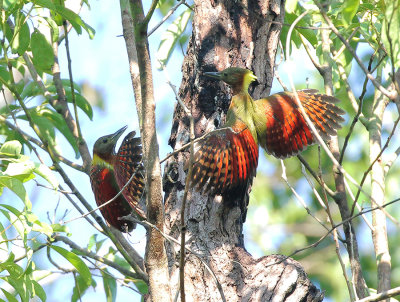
(117, 134)
(212, 74)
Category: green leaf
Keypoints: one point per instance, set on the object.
(75, 20)
(43, 57)
(164, 6)
(20, 287)
(350, 9)
(54, 28)
(21, 40)
(16, 278)
(80, 100)
(30, 90)
(56, 119)
(47, 174)
(11, 149)
(16, 219)
(11, 209)
(46, 127)
(39, 291)
(12, 268)
(92, 241)
(45, 3)
(47, 119)
(17, 187)
(290, 6)
(59, 228)
(140, 285)
(22, 171)
(77, 262)
(110, 286)
(9, 296)
(4, 76)
(82, 103)
(42, 227)
(391, 30)
(80, 288)
(4, 240)
(309, 34)
(171, 36)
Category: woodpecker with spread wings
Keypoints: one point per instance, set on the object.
(227, 159)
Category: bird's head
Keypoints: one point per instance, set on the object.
(238, 78)
(104, 147)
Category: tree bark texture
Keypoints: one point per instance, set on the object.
(225, 33)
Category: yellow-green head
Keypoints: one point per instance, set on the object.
(238, 78)
(104, 147)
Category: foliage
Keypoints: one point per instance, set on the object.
(39, 118)
(365, 22)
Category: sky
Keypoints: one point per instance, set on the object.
(103, 64)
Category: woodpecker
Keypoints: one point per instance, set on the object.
(110, 172)
(227, 159)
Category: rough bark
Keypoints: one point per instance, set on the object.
(225, 33)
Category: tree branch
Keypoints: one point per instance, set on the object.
(94, 256)
(156, 257)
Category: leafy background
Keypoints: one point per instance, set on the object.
(276, 223)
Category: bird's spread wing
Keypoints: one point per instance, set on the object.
(225, 159)
(285, 132)
(128, 162)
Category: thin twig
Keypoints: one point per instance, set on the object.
(316, 243)
(107, 202)
(298, 197)
(276, 67)
(335, 232)
(171, 11)
(382, 296)
(358, 206)
(327, 75)
(390, 94)
(197, 140)
(358, 114)
(17, 128)
(324, 185)
(62, 107)
(96, 257)
(372, 164)
(63, 269)
(71, 81)
(37, 142)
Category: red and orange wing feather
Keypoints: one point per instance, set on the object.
(128, 162)
(105, 188)
(225, 160)
(287, 132)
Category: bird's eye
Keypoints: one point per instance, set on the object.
(105, 140)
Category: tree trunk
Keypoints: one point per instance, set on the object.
(225, 33)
